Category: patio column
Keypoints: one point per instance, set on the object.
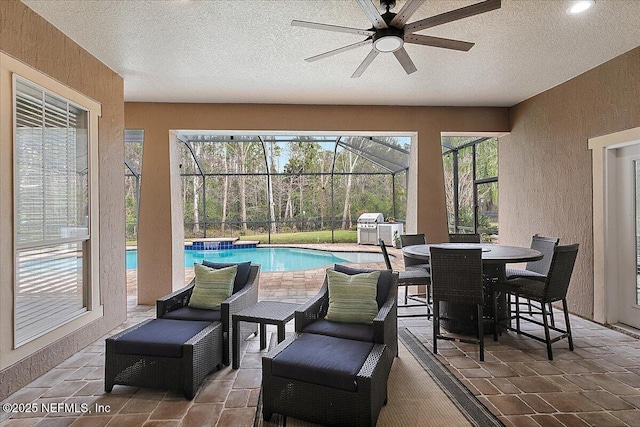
(160, 225)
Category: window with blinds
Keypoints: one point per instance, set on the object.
(51, 210)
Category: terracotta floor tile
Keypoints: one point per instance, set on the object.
(629, 378)
(128, 420)
(504, 385)
(607, 400)
(570, 402)
(170, 410)
(139, 405)
(510, 405)
(537, 403)
(520, 421)
(45, 422)
(484, 386)
(214, 391)
(583, 382)
(563, 384)
(202, 415)
(92, 421)
(162, 423)
(547, 420)
(601, 419)
(499, 370)
(631, 417)
(237, 417)
(571, 420)
(544, 368)
(534, 384)
(611, 384)
(237, 398)
(248, 378)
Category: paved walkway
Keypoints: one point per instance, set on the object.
(598, 384)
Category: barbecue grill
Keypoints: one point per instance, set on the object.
(368, 228)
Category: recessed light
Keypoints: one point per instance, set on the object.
(580, 6)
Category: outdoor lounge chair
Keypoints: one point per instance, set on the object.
(245, 293)
(310, 317)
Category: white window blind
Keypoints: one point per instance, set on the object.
(51, 210)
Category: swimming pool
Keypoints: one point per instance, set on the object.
(272, 259)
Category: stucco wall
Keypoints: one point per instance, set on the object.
(157, 119)
(32, 40)
(545, 164)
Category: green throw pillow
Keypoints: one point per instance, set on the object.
(352, 298)
(212, 286)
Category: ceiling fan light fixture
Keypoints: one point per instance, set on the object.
(388, 44)
(580, 6)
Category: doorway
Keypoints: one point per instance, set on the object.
(625, 204)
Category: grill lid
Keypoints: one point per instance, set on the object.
(370, 218)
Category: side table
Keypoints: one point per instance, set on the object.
(265, 313)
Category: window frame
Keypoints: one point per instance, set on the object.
(9, 353)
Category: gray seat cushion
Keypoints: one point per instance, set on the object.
(242, 275)
(160, 337)
(318, 359)
(190, 313)
(352, 331)
(513, 273)
(384, 281)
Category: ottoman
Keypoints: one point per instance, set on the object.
(163, 353)
(326, 380)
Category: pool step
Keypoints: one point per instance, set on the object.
(220, 243)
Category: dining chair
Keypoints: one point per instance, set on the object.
(456, 278)
(464, 238)
(416, 277)
(415, 264)
(553, 288)
(537, 270)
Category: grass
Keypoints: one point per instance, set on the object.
(339, 236)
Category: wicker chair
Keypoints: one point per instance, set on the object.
(537, 270)
(415, 277)
(554, 288)
(241, 299)
(310, 317)
(456, 276)
(415, 264)
(464, 238)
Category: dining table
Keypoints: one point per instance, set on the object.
(460, 318)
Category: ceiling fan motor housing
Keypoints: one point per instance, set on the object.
(388, 39)
(387, 4)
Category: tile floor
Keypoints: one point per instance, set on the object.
(598, 384)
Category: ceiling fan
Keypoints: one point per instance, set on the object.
(390, 31)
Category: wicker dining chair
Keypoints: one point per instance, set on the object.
(456, 278)
(464, 238)
(554, 288)
(415, 277)
(537, 270)
(415, 264)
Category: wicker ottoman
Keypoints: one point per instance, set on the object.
(326, 380)
(163, 353)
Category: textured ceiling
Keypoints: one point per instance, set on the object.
(241, 51)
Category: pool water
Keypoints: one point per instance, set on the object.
(272, 259)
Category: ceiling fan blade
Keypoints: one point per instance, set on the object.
(339, 50)
(405, 13)
(454, 15)
(327, 27)
(372, 13)
(438, 42)
(403, 58)
(367, 61)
